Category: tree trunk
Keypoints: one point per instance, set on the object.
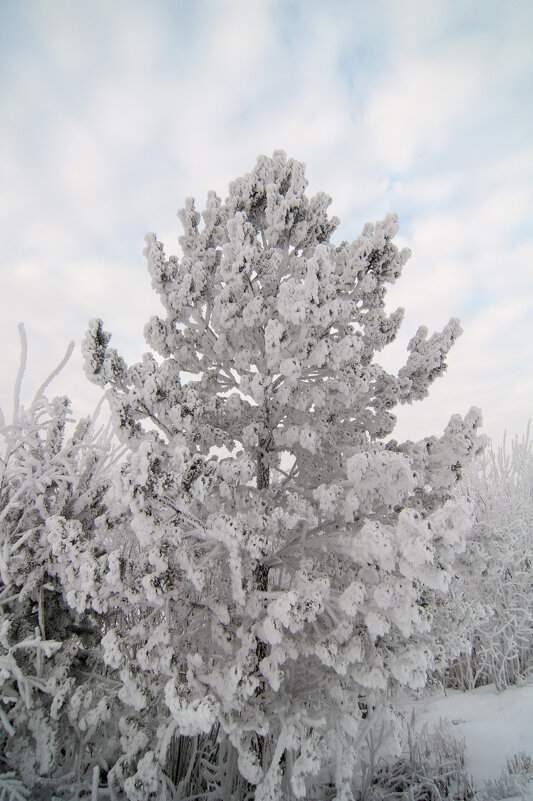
(261, 576)
(263, 470)
(263, 482)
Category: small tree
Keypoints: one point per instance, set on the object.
(494, 591)
(285, 550)
(56, 727)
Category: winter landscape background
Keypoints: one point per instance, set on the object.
(113, 113)
(245, 589)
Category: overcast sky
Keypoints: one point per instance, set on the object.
(112, 113)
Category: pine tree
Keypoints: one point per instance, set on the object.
(285, 548)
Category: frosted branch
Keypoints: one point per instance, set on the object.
(21, 370)
(46, 383)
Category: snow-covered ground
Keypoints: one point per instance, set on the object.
(494, 726)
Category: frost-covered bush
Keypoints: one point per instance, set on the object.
(493, 593)
(430, 768)
(282, 549)
(515, 781)
(54, 710)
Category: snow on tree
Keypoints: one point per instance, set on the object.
(284, 548)
(492, 600)
(55, 713)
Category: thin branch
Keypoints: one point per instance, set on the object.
(20, 373)
(186, 515)
(144, 410)
(48, 381)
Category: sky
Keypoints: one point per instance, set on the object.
(112, 113)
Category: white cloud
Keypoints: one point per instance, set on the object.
(415, 111)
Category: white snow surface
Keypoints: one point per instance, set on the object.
(494, 725)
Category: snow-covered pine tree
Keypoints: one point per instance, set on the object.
(285, 548)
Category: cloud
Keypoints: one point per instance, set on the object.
(417, 109)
